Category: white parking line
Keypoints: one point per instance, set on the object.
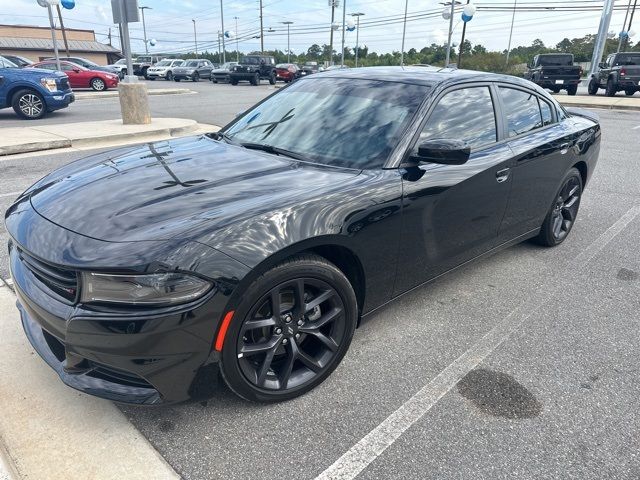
(372, 445)
(10, 194)
(636, 128)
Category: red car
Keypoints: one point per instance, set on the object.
(287, 72)
(81, 77)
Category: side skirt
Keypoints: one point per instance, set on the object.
(488, 253)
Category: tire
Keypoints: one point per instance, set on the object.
(308, 345)
(214, 80)
(555, 90)
(177, 79)
(234, 82)
(272, 79)
(572, 90)
(593, 87)
(256, 79)
(169, 76)
(195, 77)
(97, 84)
(153, 79)
(144, 74)
(611, 88)
(563, 212)
(29, 104)
(629, 91)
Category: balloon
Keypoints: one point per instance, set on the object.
(68, 4)
(351, 26)
(153, 42)
(229, 34)
(469, 10)
(466, 18)
(631, 33)
(446, 14)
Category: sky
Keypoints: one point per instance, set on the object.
(169, 23)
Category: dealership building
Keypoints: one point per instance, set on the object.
(35, 44)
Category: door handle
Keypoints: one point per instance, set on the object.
(502, 175)
(564, 148)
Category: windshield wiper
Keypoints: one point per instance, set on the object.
(223, 136)
(274, 150)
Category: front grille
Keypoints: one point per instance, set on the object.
(64, 84)
(61, 281)
(115, 375)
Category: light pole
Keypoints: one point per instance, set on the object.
(404, 32)
(333, 4)
(144, 29)
(598, 48)
(357, 15)
(195, 35)
(47, 4)
(237, 48)
(453, 6)
(513, 17)
(344, 20)
(288, 24)
(261, 30)
(224, 52)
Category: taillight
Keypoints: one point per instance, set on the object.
(623, 72)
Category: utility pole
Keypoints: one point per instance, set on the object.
(513, 17)
(626, 39)
(53, 33)
(224, 48)
(344, 21)
(333, 4)
(357, 15)
(219, 48)
(464, 32)
(109, 36)
(624, 25)
(237, 48)
(64, 33)
(404, 32)
(601, 39)
(144, 30)
(288, 24)
(195, 35)
(261, 30)
(453, 6)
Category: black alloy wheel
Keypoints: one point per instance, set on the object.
(169, 76)
(196, 77)
(98, 84)
(593, 86)
(293, 328)
(563, 213)
(29, 104)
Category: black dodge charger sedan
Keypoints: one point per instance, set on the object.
(256, 251)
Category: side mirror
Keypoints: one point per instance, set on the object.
(443, 151)
(77, 70)
(602, 65)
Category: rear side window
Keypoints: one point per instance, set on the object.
(522, 111)
(466, 114)
(545, 110)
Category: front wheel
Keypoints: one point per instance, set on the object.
(611, 88)
(272, 79)
(98, 85)
(629, 91)
(572, 90)
(29, 104)
(169, 76)
(196, 77)
(562, 216)
(291, 330)
(592, 89)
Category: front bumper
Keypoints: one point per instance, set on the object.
(58, 100)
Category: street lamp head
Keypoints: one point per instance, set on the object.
(145, 8)
(287, 23)
(357, 14)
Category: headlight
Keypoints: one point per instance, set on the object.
(49, 84)
(151, 289)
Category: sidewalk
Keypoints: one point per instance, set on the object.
(46, 137)
(50, 431)
(600, 101)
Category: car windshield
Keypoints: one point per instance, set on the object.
(556, 60)
(193, 63)
(628, 60)
(163, 63)
(228, 65)
(283, 65)
(4, 63)
(352, 123)
(122, 61)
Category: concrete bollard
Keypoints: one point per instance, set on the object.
(134, 103)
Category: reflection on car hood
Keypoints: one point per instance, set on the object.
(161, 190)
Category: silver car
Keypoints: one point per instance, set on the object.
(164, 69)
(193, 69)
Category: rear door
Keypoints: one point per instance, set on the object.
(451, 213)
(542, 152)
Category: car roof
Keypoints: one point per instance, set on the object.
(427, 76)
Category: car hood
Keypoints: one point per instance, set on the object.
(161, 190)
(37, 72)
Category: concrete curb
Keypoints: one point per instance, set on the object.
(609, 103)
(48, 137)
(51, 431)
(114, 93)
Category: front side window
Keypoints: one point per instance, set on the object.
(521, 109)
(466, 114)
(191, 64)
(351, 123)
(48, 66)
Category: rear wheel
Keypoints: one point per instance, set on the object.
(555, 89)
(234, 81)
(291, 330)
(572, 89)
(592, 89)
(29, 104)
(611, 88)
(98, 84)
(563, 213)
(176, 79)
(196, 77)
(256, 79)
(629, 91)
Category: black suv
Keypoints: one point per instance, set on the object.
(254, 68)
(555, 71)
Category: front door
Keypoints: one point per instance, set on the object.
(452, 213)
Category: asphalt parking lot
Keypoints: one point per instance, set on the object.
(523, 364)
